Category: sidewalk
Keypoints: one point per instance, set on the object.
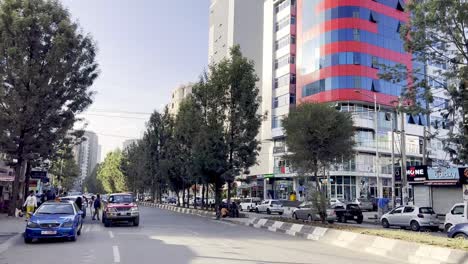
(10, 229)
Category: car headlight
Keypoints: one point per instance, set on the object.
(68, 224)
(33, 225)
(134, 209)
(111, 209)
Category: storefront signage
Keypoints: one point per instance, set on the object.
(463, 172)
(267, 176)
(413, 173)
(442, 173)
(38, 174)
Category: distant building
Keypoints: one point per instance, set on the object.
(179, 94)
(87, 153)
(127, 143)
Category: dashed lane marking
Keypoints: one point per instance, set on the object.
(115, 251)
(111, 234)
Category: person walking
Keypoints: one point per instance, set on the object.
(30, 204)
(97, 206)
(91, 205)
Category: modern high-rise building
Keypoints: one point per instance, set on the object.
(87, 154)
(240, 22)
(178, 95)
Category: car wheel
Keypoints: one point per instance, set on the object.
(107, 223)
(74, 237)
(343, 219)
(414, 225)
(331, 221)
(309, 218)
(248, 209)
(27, 240)
(447, 227)
(359, 220)
(241, 209)
(136, 221)
(268, 211)
(385, 223)
(460, 235)
(257, 211)
(294, 216)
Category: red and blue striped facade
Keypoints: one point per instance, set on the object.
(341, 46)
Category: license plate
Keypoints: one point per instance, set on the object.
(48, 232)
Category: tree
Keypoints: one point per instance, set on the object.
(91, 183)
(242, 119)
(318, 135)
(110, 173)
(437, 33)
(46, 68)
(186, 128)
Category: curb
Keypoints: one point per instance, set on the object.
(408, 252)
(183, 210)
(8, 243)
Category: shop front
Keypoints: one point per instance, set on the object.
(278, 187)
(251, 187)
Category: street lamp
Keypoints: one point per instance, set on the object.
(376, 127)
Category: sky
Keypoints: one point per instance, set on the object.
(146, 48)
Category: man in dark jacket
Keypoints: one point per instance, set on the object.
(97, 206)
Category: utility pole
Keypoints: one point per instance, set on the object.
(393, 119)
(404, 187)
(376, 125)
(424, 146)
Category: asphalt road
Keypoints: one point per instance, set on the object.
(169, 237)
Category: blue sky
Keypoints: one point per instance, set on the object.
(146, 49)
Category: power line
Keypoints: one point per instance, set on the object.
(114, 116)
(117, 111)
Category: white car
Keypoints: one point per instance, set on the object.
(455, 216)
(411, 216)
(270, 206)
(248, 204)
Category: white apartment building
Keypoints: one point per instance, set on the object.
(178, 95)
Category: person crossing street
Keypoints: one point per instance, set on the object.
(30, 204)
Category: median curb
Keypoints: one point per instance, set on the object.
(180, 209)
(408, 252)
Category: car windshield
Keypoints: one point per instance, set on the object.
(426, 210)
(353, 206)
(56, 209)
(276, 202)
(120, 199)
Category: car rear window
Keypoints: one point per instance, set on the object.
(353, 206)
(426, 210)
(276, 202)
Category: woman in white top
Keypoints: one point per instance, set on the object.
(30, 204)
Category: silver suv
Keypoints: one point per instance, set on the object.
(411, 216)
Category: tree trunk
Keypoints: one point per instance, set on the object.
(229, 192)
(203, 196)
(178, 198)
(183, 197)
(195, 196)
(16, 182)
(218, 187)
(207, 190)
(26, 179)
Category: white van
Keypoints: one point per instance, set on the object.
(249, 204)
(455, 216)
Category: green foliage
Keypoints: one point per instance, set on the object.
(437, 32)
(110, 173)
(318, 136)
(91, 183)
(46, 68)
(66, 171)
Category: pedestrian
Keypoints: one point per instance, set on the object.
(97, 206)
(79, 202)
(234, 210)
(91, 204)
(43, 197)
(30, 204)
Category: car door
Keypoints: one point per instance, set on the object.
(395, 216)
(458, 215)
(302, 212)
(406, 216)
(264, 206)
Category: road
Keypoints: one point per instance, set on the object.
(169, 237)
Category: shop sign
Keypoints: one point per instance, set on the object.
(442, 173)
(267, 176)
(38, 174)
(463, 173)
(413, 173)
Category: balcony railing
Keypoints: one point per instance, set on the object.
(277, 150)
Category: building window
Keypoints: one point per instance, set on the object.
(283, 81)
(356, 34)
(292, 99)
(375, 62)
(356, 58)
(284, 41)
(275, 122)
(283, 5)
(285, 22)
(285, 60)
(399, 6)
(356, 14)
(275, 102)
(372, 17)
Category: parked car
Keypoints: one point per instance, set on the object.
(307, 211)
(364, 203)
(335, 201)
(171, 200)
(350, 211)
(120, 207)
(249, 204)
(54, 220)
(455, 216)
(458, 231)
(411, 216)
(270, 206)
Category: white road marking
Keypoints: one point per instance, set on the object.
(111, 234)
(115, 251)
